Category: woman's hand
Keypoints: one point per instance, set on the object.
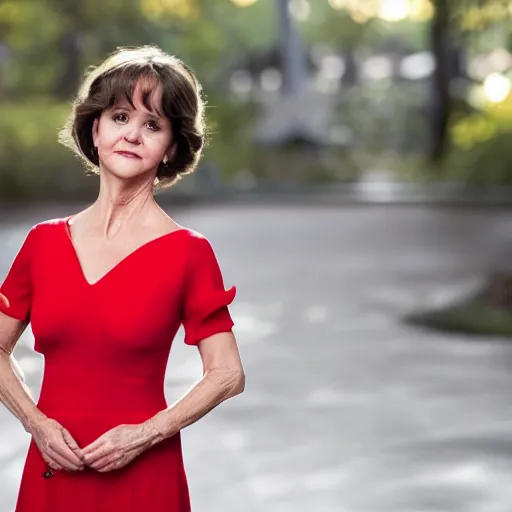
(119, 446)
(57, 446)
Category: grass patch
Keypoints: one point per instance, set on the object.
(474, 316)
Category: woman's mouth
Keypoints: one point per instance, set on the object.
(128, 154)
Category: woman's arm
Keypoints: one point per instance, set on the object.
(223, 378)
(14, 394)
(58, 448)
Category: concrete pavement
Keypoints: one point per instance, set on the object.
(346, 409)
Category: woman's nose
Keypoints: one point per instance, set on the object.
(133, 135)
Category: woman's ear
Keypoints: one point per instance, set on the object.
(95, 132)
(171, 152)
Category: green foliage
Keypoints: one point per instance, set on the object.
(230, 124)
(486, 163)
(473, 129)
(335, 27)
(212, 36)
(473, 15)
(33, 43)
(32, 163)
(209, 35)
(474, 316)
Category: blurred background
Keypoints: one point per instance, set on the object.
(357, 189)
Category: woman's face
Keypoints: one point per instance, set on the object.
(132, 141)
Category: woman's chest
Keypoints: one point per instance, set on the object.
(138, 299)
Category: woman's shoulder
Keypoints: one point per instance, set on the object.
(40, 235)
(198, 241)
(192, 236)
(198, 247)
(48, 226)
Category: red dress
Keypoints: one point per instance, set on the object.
(105, 348)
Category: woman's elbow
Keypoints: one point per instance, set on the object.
(230, 380)
(240, 382)
(234, 382)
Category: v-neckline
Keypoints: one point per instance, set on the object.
(121, 262)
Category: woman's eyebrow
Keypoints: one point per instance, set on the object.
(117, 106)
(153, 115)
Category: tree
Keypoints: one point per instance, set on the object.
(454, 24)
(441, 41)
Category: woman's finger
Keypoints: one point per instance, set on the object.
(113, 464)
(70, 441)
(112, 458)
(65, 457)
(65, 451)
(54, 465)
(95, 445)
(116, 461)
(55, 458)
(62, 461)
(51, 463)
(94, 456)
(103, 461)
(110, 467)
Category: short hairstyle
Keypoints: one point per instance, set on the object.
(115, 80)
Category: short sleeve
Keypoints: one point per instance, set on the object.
(205, 303)
(16, 289)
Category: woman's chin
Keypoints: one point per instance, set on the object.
(128, 170)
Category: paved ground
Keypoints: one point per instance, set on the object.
(346, 409)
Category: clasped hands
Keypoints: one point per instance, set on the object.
(113, 450)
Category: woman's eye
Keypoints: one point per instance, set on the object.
(120, 117)
(153, 126)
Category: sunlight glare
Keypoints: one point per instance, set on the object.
(497, 87)
(421, 10)
(244, 3)
(338, 4)
(300, 9)
(394, 10)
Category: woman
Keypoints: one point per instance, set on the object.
(105, 291)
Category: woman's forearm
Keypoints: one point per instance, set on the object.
(15, 395)
(215, 387)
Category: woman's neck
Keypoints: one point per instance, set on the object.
(121, 203)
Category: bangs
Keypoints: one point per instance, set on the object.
(163, 84)
(119, 86)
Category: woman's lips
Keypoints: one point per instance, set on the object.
(128, 154)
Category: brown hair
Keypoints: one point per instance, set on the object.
(115, 80)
